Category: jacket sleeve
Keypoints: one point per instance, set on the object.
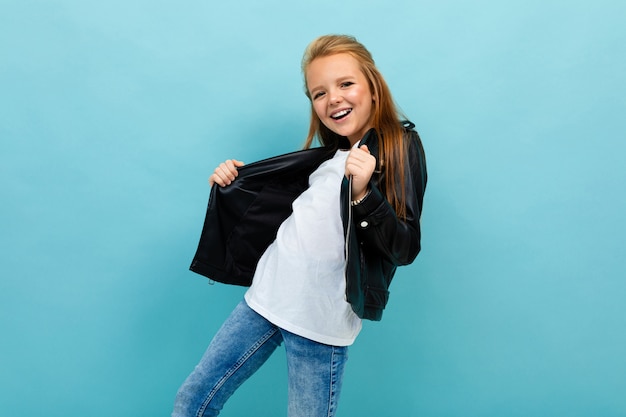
(378, 227)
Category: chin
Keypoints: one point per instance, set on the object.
(345, 132)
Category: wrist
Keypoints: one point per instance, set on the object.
(363, 196)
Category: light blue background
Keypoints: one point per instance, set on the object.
(114, 113)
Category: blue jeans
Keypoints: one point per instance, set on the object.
(243, 343)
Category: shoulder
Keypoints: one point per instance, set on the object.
(412, 139)
(414, 151)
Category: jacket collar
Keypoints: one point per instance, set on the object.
(370, 139)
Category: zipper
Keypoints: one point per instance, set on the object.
(348, 229)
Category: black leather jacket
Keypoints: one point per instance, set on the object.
(243, 218)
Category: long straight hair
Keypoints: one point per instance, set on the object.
(385, 118)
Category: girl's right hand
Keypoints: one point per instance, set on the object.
(225, 173)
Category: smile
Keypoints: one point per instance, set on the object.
(340, 114)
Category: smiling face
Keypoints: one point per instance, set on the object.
(341, 95)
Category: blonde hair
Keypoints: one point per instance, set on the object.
(385, 118)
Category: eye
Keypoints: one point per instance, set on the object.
(346, 84)
(318, 95)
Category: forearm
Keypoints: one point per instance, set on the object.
(378, 228)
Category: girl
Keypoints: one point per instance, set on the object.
(324, 231)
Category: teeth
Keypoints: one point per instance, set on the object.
(340, 114)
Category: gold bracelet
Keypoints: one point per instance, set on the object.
(360, 200)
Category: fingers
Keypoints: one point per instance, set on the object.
(225, 173)
(360, 161)
(360, 164)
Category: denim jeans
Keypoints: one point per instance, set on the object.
(243, 343)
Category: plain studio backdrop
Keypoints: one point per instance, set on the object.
(114, 113)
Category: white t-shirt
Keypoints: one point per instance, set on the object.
(299, 283)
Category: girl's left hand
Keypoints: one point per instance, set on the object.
(360, 164)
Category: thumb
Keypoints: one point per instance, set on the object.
(237, 163)
(364, 148)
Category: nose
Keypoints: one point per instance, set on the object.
(335, 97)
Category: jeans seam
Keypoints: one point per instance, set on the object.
(267, 336)
(333, 381)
